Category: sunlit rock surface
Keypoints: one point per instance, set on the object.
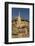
(20, 28)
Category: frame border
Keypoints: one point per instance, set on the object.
(6, 22)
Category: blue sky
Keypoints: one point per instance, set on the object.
(24, 12)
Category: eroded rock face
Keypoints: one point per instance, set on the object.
(20, 28)
(20, 31)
